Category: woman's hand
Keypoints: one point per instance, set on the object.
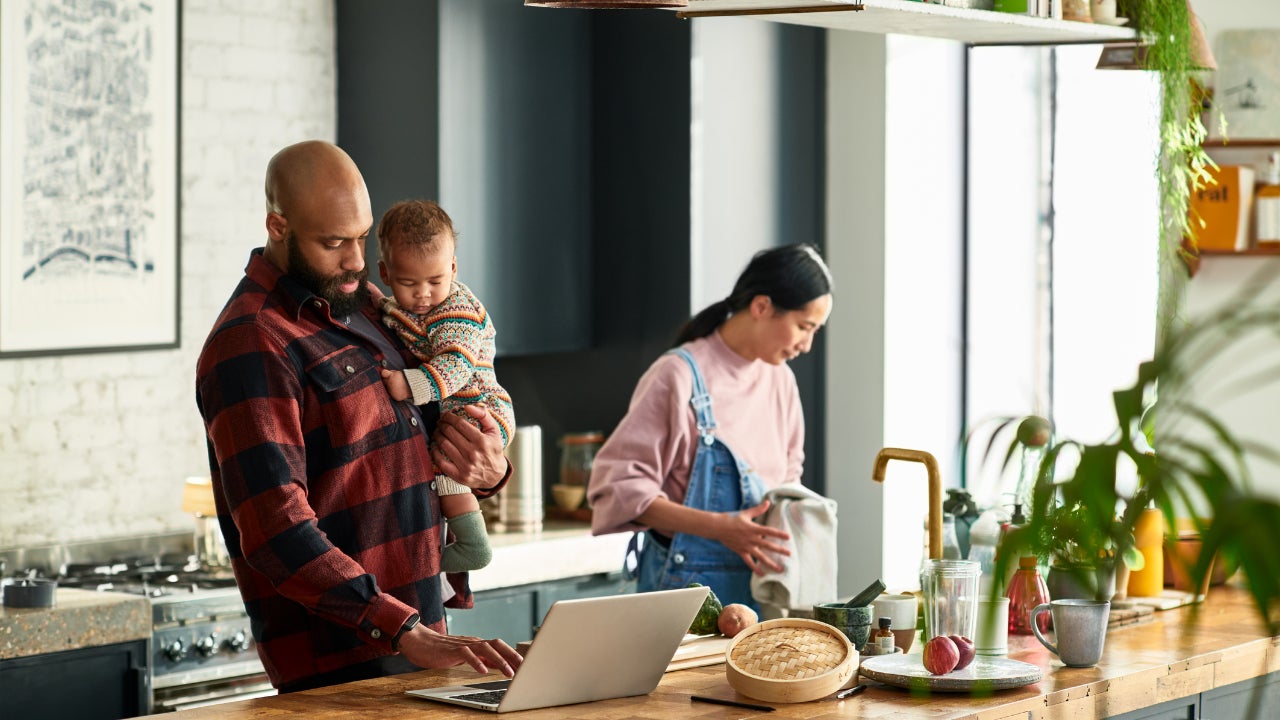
(756, 544)
(470, 455)
(429, 649)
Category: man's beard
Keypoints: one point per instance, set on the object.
(340, 304)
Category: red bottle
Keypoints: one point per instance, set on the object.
(1026, 591)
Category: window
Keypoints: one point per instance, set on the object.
(1061, 261)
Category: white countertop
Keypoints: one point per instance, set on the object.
(561, 550)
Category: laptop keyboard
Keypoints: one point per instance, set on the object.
(488, 697)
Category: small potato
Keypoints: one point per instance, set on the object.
(735, 618)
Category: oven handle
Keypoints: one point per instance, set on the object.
(224, 694)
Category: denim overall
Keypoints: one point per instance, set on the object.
(720, 482)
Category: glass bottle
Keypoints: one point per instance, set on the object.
(884, 640)
(950, 543)
(1026, 591)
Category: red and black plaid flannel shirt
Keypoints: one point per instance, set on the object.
(322, 481)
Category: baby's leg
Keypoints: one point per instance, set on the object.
(470, 548)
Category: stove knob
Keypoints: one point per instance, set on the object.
(208, 645)
(238, 642)
(175, 651)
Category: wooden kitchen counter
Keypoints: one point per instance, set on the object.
(1143, 665)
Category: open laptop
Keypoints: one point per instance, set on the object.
(586, 650)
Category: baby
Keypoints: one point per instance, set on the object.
(444, 325)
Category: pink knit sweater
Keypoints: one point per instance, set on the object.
(650, 454)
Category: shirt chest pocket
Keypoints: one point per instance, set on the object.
(354, 407)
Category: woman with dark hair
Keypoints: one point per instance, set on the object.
(690, 479)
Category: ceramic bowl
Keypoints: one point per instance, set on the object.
(567, 496)
(855, 622)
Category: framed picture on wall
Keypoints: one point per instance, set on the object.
(1247, 85)
(89, 96)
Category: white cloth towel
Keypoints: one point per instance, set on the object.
(808, 576)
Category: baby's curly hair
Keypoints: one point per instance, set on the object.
(418, 224)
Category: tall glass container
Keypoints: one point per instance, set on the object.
(950, 592)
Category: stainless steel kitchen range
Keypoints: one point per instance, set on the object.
(199, 649)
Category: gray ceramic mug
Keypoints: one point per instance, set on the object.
(1080, 627)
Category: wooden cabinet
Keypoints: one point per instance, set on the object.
(1255, 698)
(512, 613)
(97, 683)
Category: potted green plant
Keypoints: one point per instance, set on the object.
(1188, 464)
(1084, 560)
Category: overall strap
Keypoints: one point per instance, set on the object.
(701, 400)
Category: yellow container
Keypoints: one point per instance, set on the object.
(1148, 536)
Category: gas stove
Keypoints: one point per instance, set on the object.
(202, 650)
(151, 577)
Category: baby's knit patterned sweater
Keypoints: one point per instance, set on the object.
(455, 342)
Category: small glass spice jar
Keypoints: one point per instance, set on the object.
(577, 455)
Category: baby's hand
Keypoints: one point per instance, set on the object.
(397, 386)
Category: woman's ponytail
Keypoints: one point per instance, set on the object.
(704, 323)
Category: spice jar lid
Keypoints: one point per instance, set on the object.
(583, 438)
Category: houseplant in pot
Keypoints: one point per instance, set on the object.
(1084, 561)
(1187, 464)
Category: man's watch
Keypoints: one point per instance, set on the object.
(408, 625)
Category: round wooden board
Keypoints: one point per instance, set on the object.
(984, 673)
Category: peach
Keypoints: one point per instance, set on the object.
(735, 618)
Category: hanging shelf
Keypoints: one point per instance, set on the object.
(904, 17)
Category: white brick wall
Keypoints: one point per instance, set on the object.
(97, 446)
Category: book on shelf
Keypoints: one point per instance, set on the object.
(1219, 212)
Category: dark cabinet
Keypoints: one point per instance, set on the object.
(1247, 700)
(100, 683)
(512, 613)
(1255, 698)
(485, 106)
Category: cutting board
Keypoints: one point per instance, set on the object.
(697, 651)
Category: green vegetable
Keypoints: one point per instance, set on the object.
(705, 622)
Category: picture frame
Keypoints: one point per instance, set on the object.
(1247, 86)
(89, 176)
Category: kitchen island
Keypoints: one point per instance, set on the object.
(1177, 657)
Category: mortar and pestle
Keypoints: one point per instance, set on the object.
(853, 618)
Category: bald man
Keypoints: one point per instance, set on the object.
(324, 483)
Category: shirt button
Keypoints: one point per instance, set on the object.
(413, 421)
(433, 484)
(376, 634)
(384, 363)
(350, 369)
(678, 558)
(317, 303)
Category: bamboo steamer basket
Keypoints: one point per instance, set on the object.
(790, 660)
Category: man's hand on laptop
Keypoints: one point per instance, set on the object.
(427, 649)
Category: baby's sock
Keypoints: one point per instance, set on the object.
(470, 548)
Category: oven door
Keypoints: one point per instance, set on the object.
(210, 686)
(210, 692)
